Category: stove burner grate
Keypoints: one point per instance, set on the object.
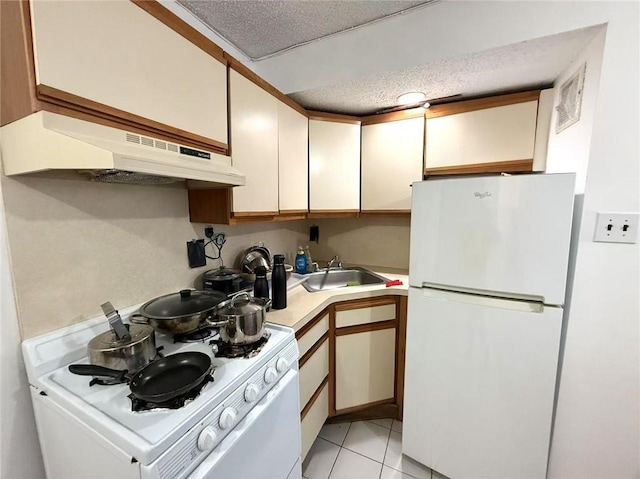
(223, 349)
(197, 336)
(106, 381)
(139, 405)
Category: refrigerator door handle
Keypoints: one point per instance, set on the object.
(483, 300)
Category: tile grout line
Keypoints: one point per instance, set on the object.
(336, 459)
(384, 456)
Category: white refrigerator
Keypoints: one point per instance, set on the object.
(488, 268)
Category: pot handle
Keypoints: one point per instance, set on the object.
(238, 295)
(92, 370)
(267, 305)
(138, 319)
(216, 324)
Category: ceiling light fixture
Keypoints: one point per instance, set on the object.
(411, 98)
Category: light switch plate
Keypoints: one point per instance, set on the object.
(617, 227)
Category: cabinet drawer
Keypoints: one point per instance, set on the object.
(365, 367)
(311, 336)
(313, 421)
(313, 372)
(375, 314)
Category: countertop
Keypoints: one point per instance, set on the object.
(303, 306)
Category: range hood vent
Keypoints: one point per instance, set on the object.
(48, 141)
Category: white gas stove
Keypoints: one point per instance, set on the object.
(91, 431)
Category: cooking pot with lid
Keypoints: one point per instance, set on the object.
(181, 312)
(241, 319)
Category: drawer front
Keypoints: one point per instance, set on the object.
(311, 337)
(313, 421)
(374, 314)
(313, 372)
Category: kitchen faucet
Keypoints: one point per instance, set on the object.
(334, 260)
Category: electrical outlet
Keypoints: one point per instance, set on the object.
(616, 227)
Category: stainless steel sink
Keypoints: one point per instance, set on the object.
(341, 278)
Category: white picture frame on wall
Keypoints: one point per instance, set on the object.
(570, 100)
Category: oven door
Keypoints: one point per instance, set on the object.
(265, 444)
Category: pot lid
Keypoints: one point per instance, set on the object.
(108, 341)
(222, 274)
(241, 305)
(183, 303)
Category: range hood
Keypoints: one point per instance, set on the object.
(48, 141)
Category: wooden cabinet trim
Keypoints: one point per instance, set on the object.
(332, 360)
(248, 214)
(266, 86)
(513, 166)
(314, 397)
(466, 106)
(175, 23)
(367, 327)
(125, 119)
(365, 303)
(401, 345)
(393, 116)
(333, 213)
(350, 410)
(334, 117)
(293, 212)
(318, 344)
(397, 213)
(210, 206)
(18, 79)
(309, 326)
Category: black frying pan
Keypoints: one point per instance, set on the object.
(160, 380)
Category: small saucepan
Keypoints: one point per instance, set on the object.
(241, 319)
(159, 381)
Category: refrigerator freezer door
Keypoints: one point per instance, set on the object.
(508, 235)
(479, 386)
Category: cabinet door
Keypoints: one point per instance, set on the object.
(334, 166)
(391, 161)
(118, 55)
(314, 419)
(254, 146)
(365, 368)
(293, 160)
(491, 135)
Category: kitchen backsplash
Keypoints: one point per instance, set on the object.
(371, 241)
(76, 244)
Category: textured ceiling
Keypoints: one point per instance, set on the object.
(519, 66)
(263, 27)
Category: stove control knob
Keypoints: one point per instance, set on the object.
(282, 365)
(251, 393)
(270, 375)
(227, 418)
(207, 439)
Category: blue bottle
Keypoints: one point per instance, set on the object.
(301, 261)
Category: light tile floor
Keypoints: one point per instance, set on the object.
(361, 450)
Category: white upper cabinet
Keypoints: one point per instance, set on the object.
(334, 166)
(293, 160)
(391, 161)
(254, 146)
(116, 54)
(490, 135)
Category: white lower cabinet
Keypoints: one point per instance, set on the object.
(313, 421)
(313, 372)
(365, 368)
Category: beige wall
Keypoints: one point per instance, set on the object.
(366, 241)
(76, 244)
